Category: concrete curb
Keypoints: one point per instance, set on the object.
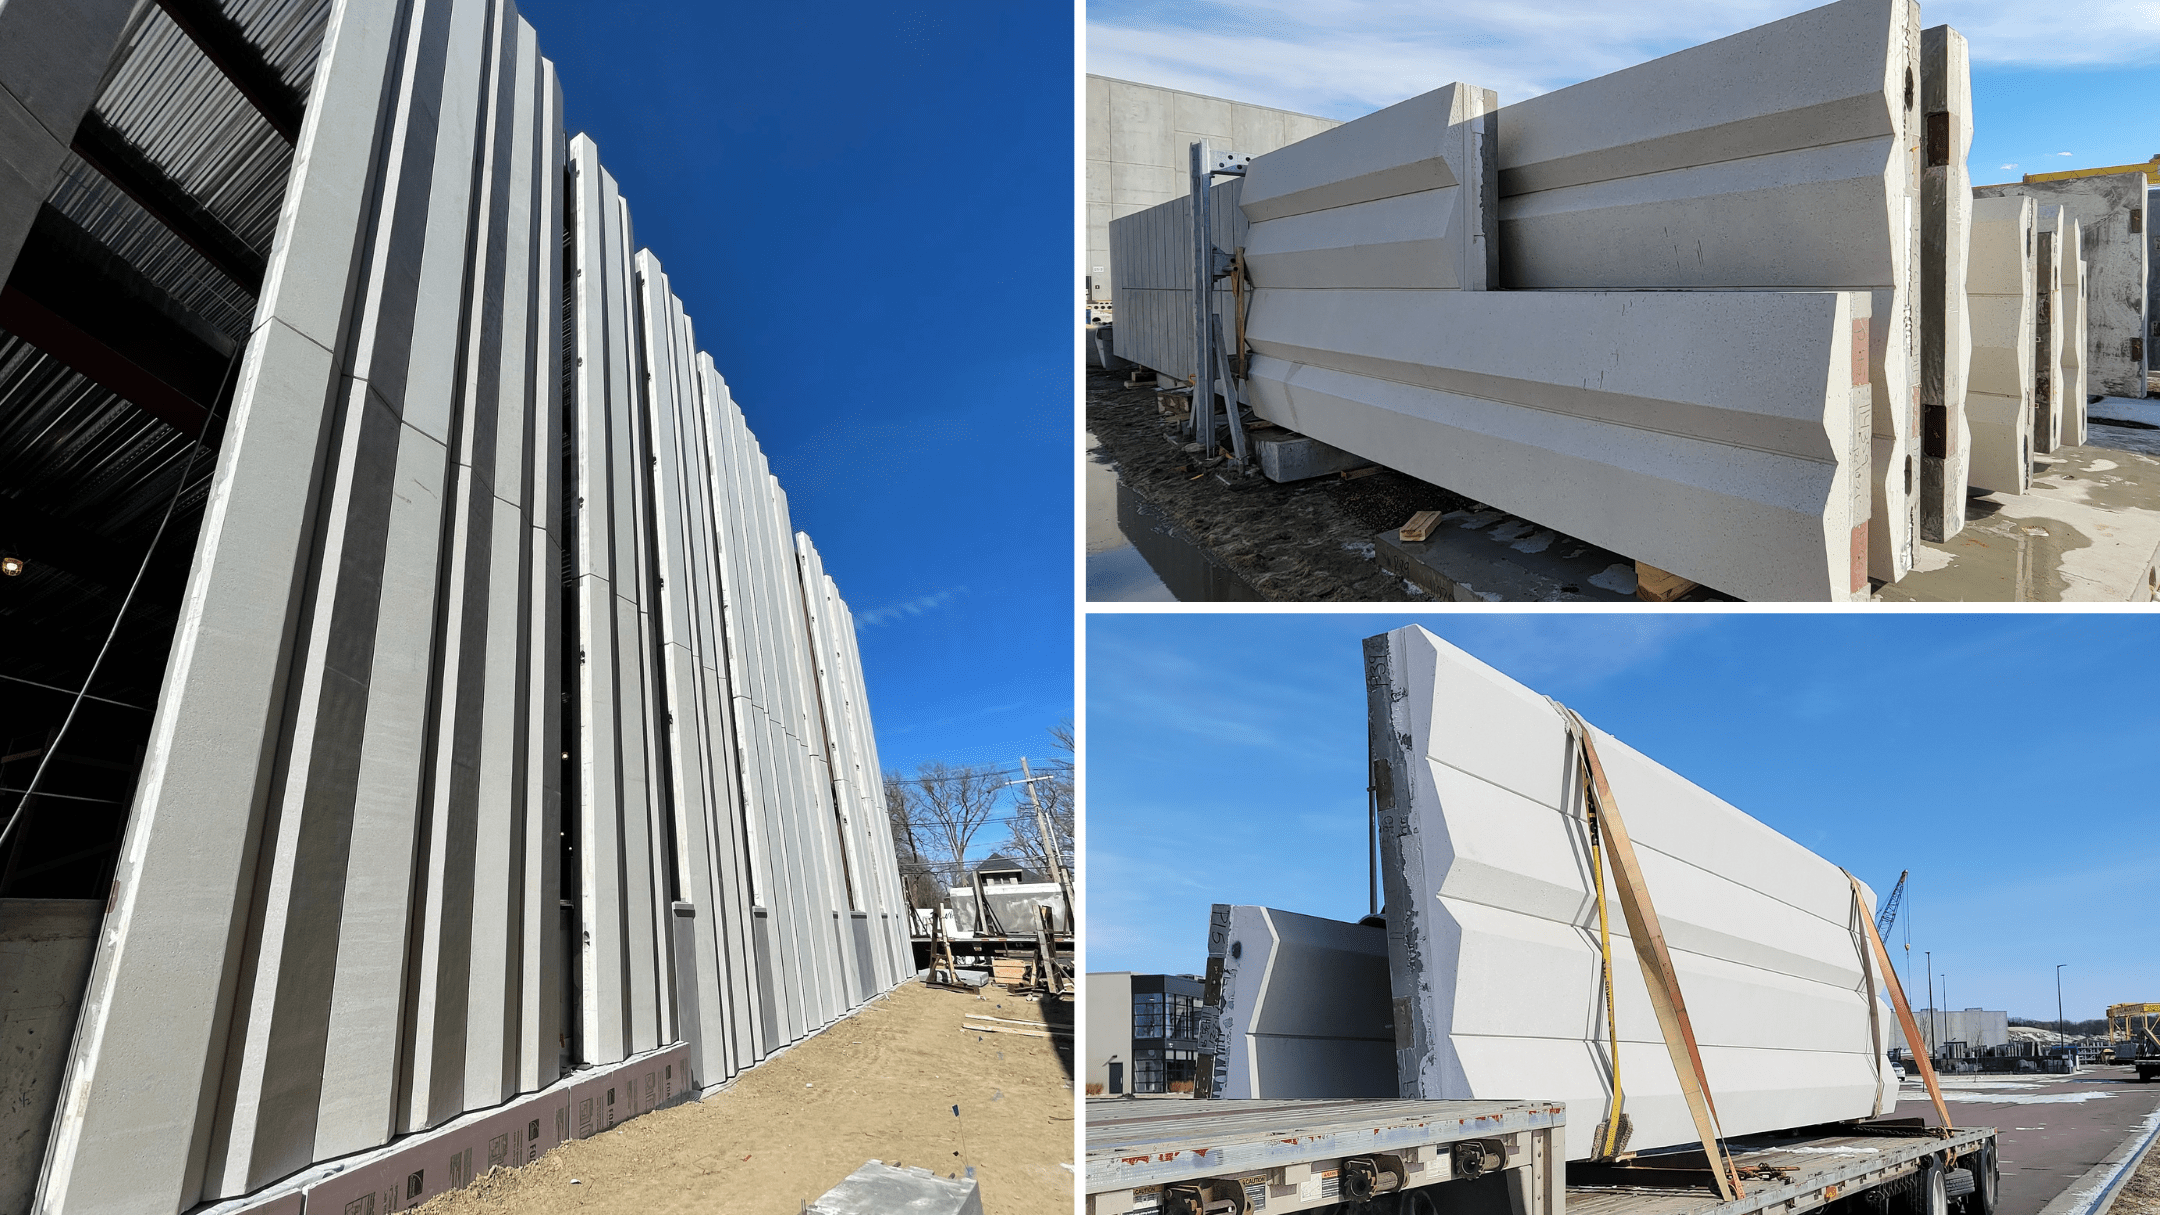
(2094, 1193)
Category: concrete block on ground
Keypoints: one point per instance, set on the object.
(2047, 331)
(2113, 237)
(1722, 436)
(1305, 1009)
(1288, 456)
(1945, 250)
(878, 1188)
(1399, 198)
(1493, 933)
(1999, 297)
(1786, 156)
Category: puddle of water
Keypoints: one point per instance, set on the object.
(1136, 554)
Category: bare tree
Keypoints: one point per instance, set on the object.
(945, 807)
(1057, 803)
(918, 877)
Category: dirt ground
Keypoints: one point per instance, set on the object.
(879, 1085)
(2141, 1194)
(1300, 543)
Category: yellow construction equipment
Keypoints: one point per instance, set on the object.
(2151, 170)
(2130, 1022)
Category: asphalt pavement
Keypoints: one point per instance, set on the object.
(2051, 1130)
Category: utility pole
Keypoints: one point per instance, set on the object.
(2062, 1038)
(1049, 843)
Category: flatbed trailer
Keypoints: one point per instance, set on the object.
(1404, 1157)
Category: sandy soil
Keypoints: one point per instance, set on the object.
(878, 1085)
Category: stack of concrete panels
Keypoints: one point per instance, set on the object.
(486, 532)
(1786, 156)
(2110, 212)
(1305, 1008)
(2070, 250)
(1999, 298)
(1152, 274)
(2047, 331)
(1493, 935)
(1945, 251)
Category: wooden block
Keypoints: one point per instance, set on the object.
(1421, 525)
(1654, 585)
(1354, 473)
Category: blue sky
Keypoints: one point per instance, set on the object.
(2067, 76)
(2006, 759)
(853, 202)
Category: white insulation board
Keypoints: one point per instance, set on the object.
(1492, 929)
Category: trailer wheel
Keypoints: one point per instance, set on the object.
(1927, 1196)
(1986, 1174)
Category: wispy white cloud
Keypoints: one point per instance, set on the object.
(1343, 58)
(1196, 307)
(919, 606)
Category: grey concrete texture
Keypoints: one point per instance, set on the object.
(53, 54)
(45, 950)
(1285, 456)
(1400, 198)
(1151, 251)
(1306, 1008)
(337, 918)
(1137, 136)
(1721, 436)
(2113, 235)
(1999, 297)
(878, 1188)
(1945, 255)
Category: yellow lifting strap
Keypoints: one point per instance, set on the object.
(1904, 1010)
(1659, 976)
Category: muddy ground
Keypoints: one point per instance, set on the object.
(879, 1085)
(1304, 542)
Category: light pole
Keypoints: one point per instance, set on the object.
(2061, 1038)
(1930, 955)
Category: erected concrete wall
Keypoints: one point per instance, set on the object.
(1999, 297)
(1137, 137)
(1493, 935)
(2073, 269)
(1016, 906)
(1152, 251)
(1945, 251)
(1306, 1010)
(2112, 227)
(53, 55)
(1109, 1030)
(2047, 332)
(466, 492)
(1783, 156)
(1975, 1027)
(45, 951)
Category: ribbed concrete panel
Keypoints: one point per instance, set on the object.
(1945, 248)
(2047, 331)
(1401, 198)
(1783, 156)
(1151, 256)
(486, 532)
(1722, 436)
(2070, 248)
(1999, 296)
(1306, 1007)
(2115, 238)
(1493, 933)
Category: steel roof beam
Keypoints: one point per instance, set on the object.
(105, 149)
(79, 302)
(226, 44)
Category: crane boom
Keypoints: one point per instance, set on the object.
(1888, 915)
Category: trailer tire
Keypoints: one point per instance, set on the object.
(1927, 1196)
(1986, 1176)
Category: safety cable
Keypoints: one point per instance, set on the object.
(171, 504)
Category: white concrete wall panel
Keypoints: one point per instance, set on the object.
(1784, 156)
(1306, 1007)
(337, 917)
(2047, 332)
(1945, 249)
(2074, 380)
(1723, 436)
(1999, 297)
(1493, 937)
(2114, 239)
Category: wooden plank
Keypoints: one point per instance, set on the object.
(1657, 966)
(1904, 1010)
(1654, 585)
(1419, 527)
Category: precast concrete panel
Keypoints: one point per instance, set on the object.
(1306, 1009)
(1153, 297)
(2113, 237)
(337, 916)
(1723, 436)
(1945, 249)
(1493, 936)
(2075, 384)
(2047, 332)
(1785, 156)
(1999, 297)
